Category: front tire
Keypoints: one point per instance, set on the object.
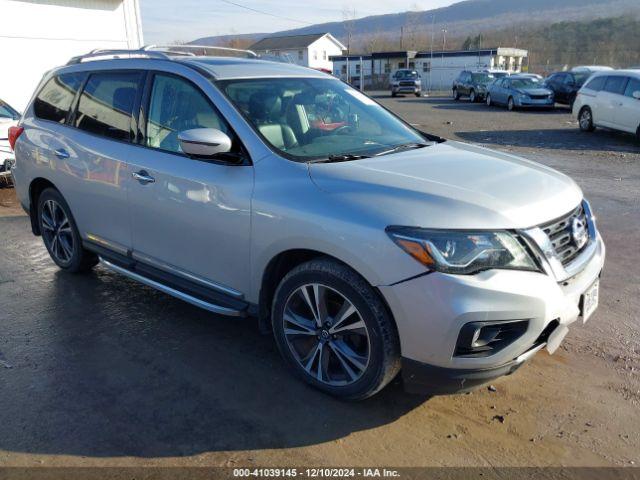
(489, 102)
(60, 233)
(334, 331)
(511, 105)
(456, 94)
(472, 96)
(585, 120)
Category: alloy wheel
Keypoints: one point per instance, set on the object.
(585, 119)
(326, 334)
(56, 231)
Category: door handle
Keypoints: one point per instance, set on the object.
(143, 177)
(61, 153)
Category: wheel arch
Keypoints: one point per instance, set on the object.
(281, 264)
(36, 187)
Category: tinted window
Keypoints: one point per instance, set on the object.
(632, 86)
(615, 84)
(54, 100)
(177, 105)
(596, 84)
(482, 78)
(106, 104)
(568, 79)
(581, 77)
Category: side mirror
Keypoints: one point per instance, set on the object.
(636, 94)
(204, 142)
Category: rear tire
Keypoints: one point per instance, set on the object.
(489, 102)
(60, 234)
(321, 295)
(585, 120)
(472, 96)
(418, 94)
(511, 106)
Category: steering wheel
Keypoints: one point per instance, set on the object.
(344, 130)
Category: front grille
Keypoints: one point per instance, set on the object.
(539, 97)
(407, 84)
(560, 234)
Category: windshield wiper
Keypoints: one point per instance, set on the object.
(404, 146)
(341, 157)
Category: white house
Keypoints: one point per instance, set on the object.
(38, 35)
(313, 50)
(438, 69)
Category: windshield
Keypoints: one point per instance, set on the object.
(524, 83)
(482, 78)
(7, 112)
(316, 118)
(581, 77)
(407, 74)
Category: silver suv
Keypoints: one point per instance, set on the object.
(254, 188)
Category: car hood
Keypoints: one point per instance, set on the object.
(450, 185)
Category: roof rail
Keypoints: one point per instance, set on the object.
(176, 49)
(100, 54)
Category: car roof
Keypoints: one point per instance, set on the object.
(220, 68)
(614, 73)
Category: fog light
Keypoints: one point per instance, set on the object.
(481, 339)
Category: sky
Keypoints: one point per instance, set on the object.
(167, 21)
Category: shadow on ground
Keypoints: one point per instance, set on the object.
(556, 139)
(97, 365)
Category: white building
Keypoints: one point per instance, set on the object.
(438, 69)
(37, 35)
(312, 50)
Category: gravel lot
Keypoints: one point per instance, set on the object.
(98, 370)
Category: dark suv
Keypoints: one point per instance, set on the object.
(565, 85)
(472, 84)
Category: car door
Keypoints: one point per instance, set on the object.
(553, 83)
(95, 155)
(504, 90)
(610, 99)
(627, 116)
(190, 217)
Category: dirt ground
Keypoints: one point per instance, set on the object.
(98, 370)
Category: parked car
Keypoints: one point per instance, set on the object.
(8, 117)
(519, 92)
(533, 76)
(610, 99)
(253, 188)
(591, 68)
(472, 84)
(565, 85)
(497, 73)
(406, 81)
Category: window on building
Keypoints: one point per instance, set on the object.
(315, 55)
(344, 69)
(412, 65)
(300, 55)
(426, 67)
(387, 68)
(106, 104)
(324, 54)
(54, 100)
(401, 65)
(177, 105)
(357, 69)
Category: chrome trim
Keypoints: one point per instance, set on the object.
(116, 247)
(173, 292)
(186, 275)
(541, 244)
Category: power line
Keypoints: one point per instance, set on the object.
(266, 13)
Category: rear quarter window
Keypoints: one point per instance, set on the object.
(596, 84)
(56, 96)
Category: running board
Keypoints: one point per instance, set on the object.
(173, 292)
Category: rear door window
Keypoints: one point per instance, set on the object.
(632, 86)
(107, 102)
(615, 84)
(55, 98)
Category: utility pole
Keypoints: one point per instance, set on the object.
(401, 38)
(433, 32)
(444, 46)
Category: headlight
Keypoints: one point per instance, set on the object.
(463, 252)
